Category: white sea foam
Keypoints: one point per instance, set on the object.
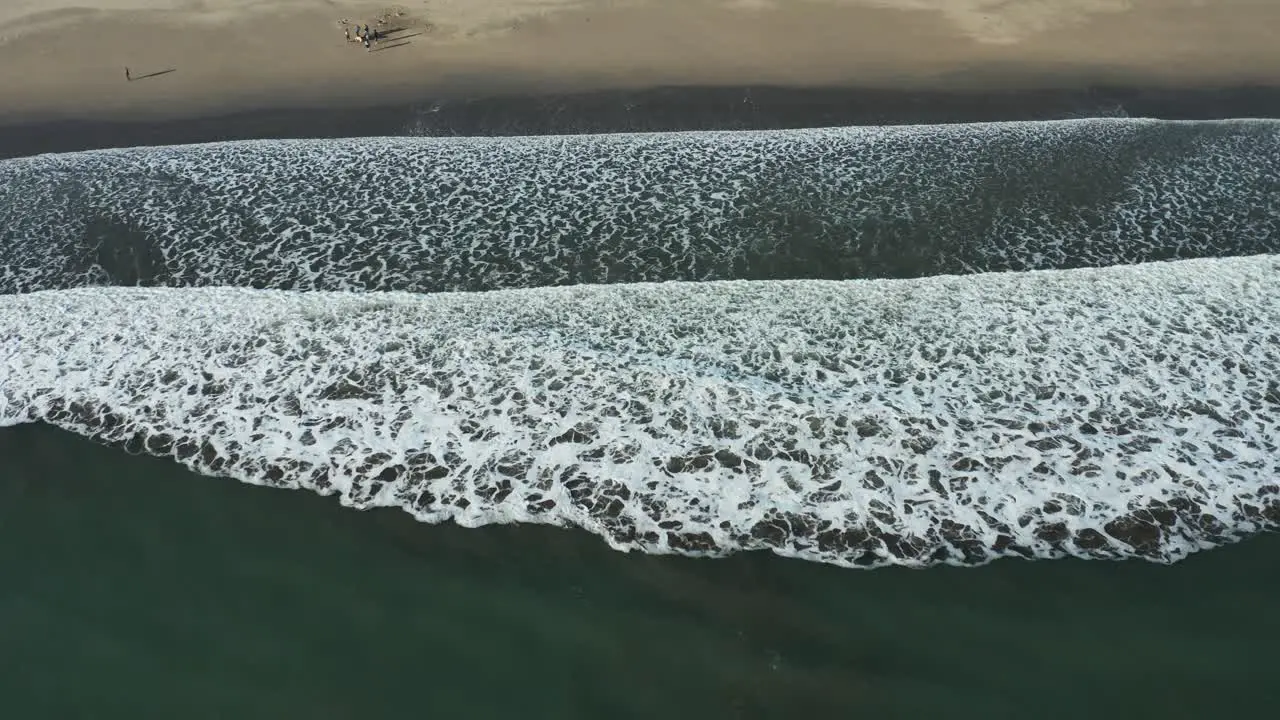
(1129, 411)
(440, 214)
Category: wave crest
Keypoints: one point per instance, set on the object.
(1101, 413)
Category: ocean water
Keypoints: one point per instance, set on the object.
(468, 214)
(850, 347)
(133, 588)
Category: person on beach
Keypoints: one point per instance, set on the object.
(347, 32)
(127, 76)
(366, 42)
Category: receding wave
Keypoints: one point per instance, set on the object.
(433, 214)
(1107, 413)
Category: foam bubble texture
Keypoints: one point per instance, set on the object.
(1120, 412)
(451, 214)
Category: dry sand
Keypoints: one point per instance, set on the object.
(66, 58)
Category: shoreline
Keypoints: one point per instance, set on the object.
(662, 109)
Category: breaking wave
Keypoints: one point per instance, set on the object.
(1105, 413)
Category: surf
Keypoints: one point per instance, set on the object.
(1103, 413)
(475, 214)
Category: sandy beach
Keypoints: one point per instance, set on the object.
(188, 58)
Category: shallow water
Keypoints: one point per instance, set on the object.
(440, 214)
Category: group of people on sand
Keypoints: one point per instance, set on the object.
(364, 34)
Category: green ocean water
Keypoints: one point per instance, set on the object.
(134, 589)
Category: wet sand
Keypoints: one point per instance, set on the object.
(652, 110)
